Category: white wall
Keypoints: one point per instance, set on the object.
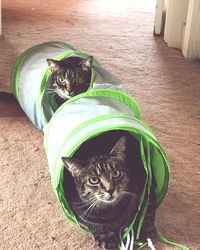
(182, 25)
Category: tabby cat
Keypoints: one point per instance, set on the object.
(70, 76)
(107, 191)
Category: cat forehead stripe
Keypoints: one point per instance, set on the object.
(93, 172)
(108, 166)
(98, 168)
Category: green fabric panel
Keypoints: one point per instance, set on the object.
(141, 203)
(108, 93)
(67, 210)
(91, 121)
(15, 72)
(161, 174)
(146, 163)
(111, 93)
(53, 103)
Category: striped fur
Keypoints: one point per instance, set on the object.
(107, 194)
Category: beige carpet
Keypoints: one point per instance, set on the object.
(166, 86)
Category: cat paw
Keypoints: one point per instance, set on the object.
(107, 240)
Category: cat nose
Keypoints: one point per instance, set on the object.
(69, 88)
(110, 191)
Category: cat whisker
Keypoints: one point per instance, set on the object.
(53, 93)
(83, 216)
(87, 212)
(94, 207)
(47, 89)
(130, 194)
(50, 90)
(85, 203)
(88, 203)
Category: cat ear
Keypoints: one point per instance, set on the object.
(73, 165)
(87, 63)
(119, 149)
(53, 65)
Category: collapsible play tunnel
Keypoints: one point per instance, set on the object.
(105, 106)
(30, 79)
(89, 115)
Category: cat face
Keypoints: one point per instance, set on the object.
(104, 178)
(70, 76)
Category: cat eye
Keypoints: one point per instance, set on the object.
(116, 174)
(61, 80)
(94, 180)
(77, 80)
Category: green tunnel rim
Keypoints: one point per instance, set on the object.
(47, 74)
(114, 94)
(17, 66)
(128, 128)
(60, 192)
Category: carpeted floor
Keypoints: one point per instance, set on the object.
(166, 86)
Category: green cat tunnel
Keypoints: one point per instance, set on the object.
(105, 106)
(91, 115)
(30, 79)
